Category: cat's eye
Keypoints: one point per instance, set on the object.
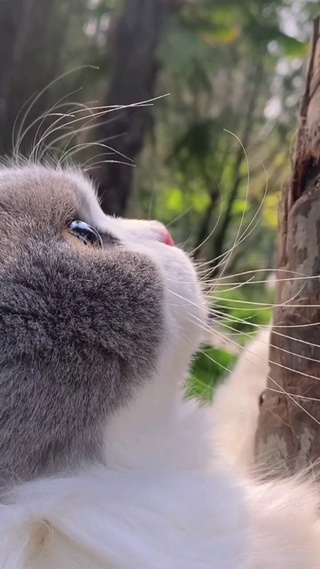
(85, 233)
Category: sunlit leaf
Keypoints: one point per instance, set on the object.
(293, 47)
(240, 206)
(174, 200)
(271, 211)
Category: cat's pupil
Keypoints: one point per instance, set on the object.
(87, 234)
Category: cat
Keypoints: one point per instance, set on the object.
(104, 462)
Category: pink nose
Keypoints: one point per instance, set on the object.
(169, 241)
(161, 233)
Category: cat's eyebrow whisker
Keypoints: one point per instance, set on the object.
(46, 88)
(86, 165)
(80, 146)
(86, 127)
(41, 119)
(110, 161)
(93, 113)
(76, 109)
(62, 103)
(74, 133)
(59, 105)
(60, 116)
(71, 131)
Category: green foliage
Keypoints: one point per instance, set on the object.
(209, 369)
(241, 315)
(244, 309)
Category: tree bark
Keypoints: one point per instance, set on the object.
(134, 37)
(288, 434)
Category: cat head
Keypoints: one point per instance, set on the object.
(92, 309)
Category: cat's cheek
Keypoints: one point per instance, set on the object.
(185, 305)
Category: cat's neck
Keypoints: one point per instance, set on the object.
(160, 428)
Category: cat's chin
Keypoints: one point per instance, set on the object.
(185, 308)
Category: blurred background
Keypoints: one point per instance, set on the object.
(208, 155)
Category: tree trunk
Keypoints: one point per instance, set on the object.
(288, 435)
(133, 40)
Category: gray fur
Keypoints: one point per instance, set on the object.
(79, 329)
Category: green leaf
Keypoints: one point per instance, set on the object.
(208, 370)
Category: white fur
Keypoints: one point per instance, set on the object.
(164, 500)
(236, 405)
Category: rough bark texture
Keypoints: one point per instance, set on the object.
(133, 41)
(288, 435)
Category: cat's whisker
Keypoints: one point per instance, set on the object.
(179, 217)
(293, 398)
(235, 243)
(212, 231)
(59, 105)
(90, 124)
(62, 103)
(225, 257)
(294, 395)
(207, 328)
(71, 132)
(86, 165)
(93, 112)
(282, 279)
(216, 362)
(34, 100)
(79, 147)
(76, 108)
(269, 343)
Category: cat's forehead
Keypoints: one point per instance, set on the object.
(39, 192)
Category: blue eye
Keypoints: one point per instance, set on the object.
(85, 233)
